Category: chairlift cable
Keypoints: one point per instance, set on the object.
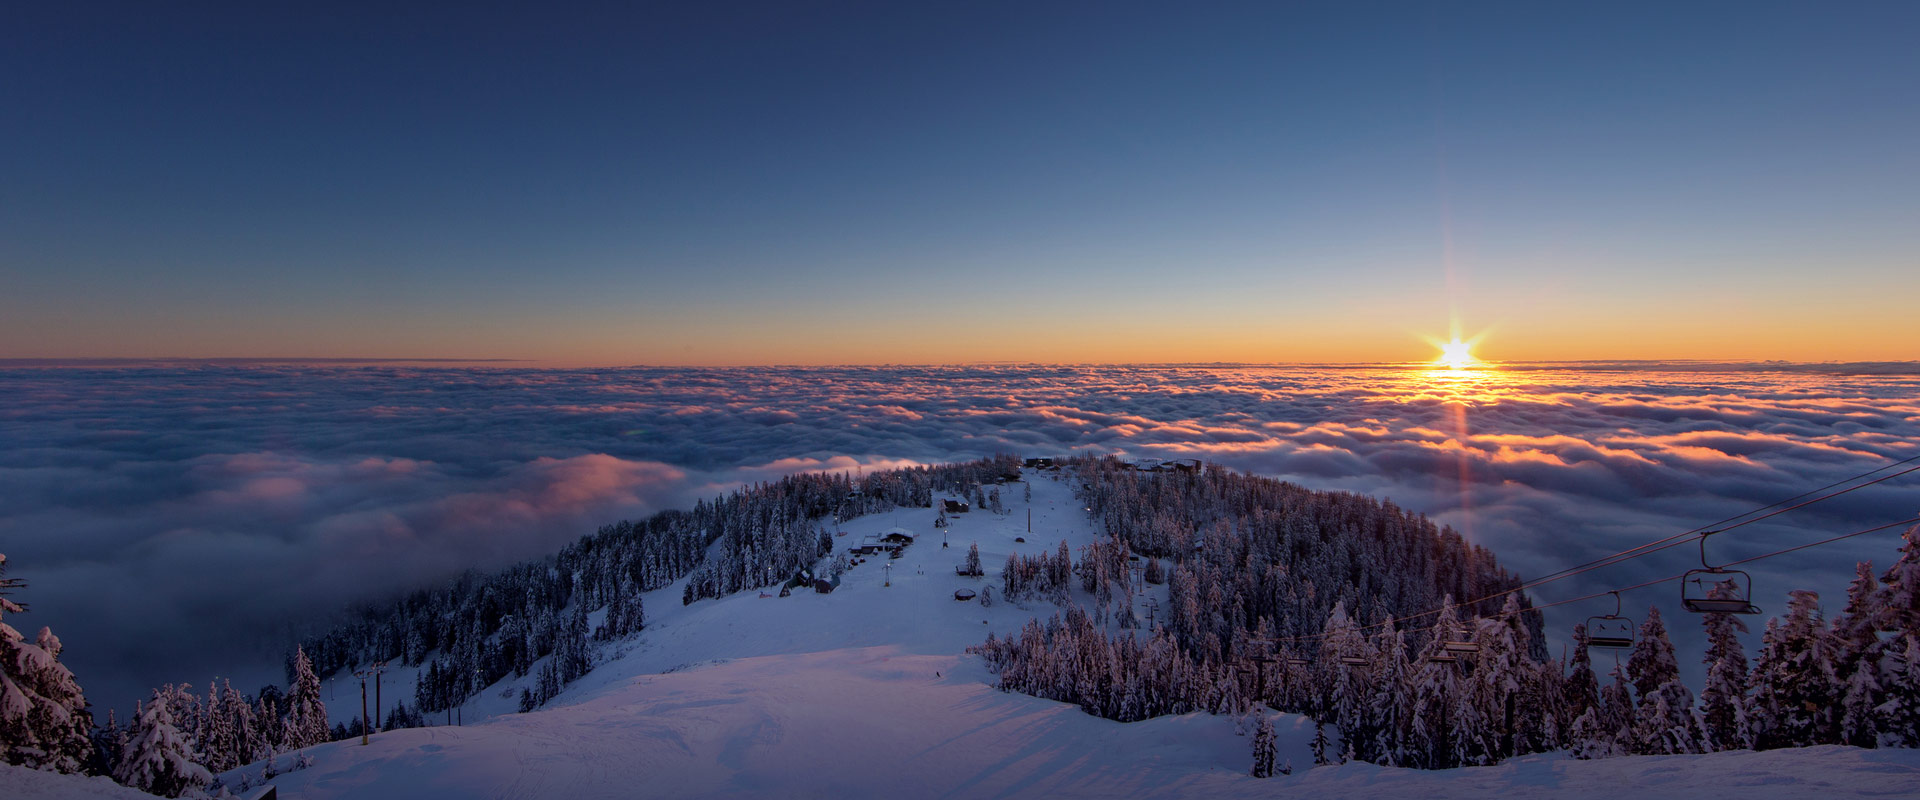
(1681, 538)
(1677, 576)
(1669, 542)
(1762, 557)
(1641, 585)
(1715, 525)
(1658, 545)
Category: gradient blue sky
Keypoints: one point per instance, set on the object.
(735, 183)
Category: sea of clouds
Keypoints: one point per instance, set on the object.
(186, 520)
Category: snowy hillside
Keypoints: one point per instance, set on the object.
(21, 783)
(868, 692)
(878, 722)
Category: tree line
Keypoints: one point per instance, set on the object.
(467, 634)
(1254, 561)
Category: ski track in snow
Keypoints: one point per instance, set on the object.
(868, 692)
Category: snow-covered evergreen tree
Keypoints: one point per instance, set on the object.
(1587, 737)
(573, 655)
(1436, 684)
(626, 615)
(1859, 707)
(1507, 685)
(1723, 701)
(217, 750)
(44, 722)
(1651, 664)
(1473, 738)
(243, 724)
(1346, 685)
(1666, 723)
(1856, 631)
(1263, 747)
(1899, 713)
(1604, 731)
(108, 741)
(1899, 601)
(1390, 709)
(1795, 694)
(1858, 656)
(1580, 691)
(157, 758)
(306, 719)
(1898, 607)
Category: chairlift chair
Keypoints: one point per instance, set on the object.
(1357, 661)
(1610, 631)
(1451, 649)
(1716, 590)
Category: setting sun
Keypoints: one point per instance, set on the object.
(1456, 355)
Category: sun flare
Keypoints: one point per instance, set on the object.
(1456, 355)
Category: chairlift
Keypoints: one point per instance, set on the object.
(1356, 661)
(1716, 590)
(1442, 657)
(1610, 631)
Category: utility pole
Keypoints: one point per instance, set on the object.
(366, 722)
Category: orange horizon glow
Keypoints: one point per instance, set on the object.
(965, 334)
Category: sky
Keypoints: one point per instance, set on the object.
(186, 521)
(932, 183)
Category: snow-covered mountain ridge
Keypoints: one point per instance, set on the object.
(868, 692)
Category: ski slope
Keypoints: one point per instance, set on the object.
(868, 692)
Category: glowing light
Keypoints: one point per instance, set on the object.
(1456, 355)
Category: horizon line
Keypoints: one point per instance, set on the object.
(1913, 365)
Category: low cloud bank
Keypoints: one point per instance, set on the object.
(182, 519)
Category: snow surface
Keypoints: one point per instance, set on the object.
(868, 692)
(20, 783)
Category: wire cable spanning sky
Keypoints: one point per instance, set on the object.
(742, 183)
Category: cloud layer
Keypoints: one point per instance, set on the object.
(178, 520)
